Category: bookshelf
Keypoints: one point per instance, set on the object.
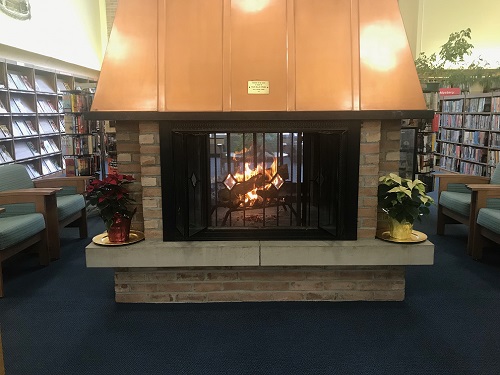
(418, 138)
(31, 116)
(110, 142)
(469, 134)
(82, 139)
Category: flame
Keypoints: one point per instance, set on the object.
(251, 197)
(248, 172)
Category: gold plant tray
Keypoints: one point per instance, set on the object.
(416, 237)
(102, 239)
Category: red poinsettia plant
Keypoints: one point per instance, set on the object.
(111, 197)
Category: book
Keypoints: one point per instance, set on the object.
(51, 107)
(66, 102)
(45, 168)
(67, 146)
(56, 164)
(43, 149)
(5, 154)
(27, 83)
(48, 146)
(13, 106)
(83, 167)
(43, 106)
(29, 171)
(23, 127)
(11, 82)
(16, 129)
(62, 85)
(42, 85)
(69, 164)
(51, 165)
(53, 125)
(69, 124)
(32, 148)
(30, 127)
(34, 170)
(5, 131)
(18, 81)
(22, 150)
(44, 126)
(23, 107)
(53, 145)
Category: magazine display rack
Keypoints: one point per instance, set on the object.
(32, 117)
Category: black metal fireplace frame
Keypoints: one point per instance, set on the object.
(352, 129)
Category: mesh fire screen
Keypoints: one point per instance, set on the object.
(260, 184)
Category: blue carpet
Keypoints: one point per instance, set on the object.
(62, 319)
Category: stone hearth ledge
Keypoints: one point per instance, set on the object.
(156, 253)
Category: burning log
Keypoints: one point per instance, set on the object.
(254, 192)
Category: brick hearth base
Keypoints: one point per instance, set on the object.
(239, 284)
(221, 271)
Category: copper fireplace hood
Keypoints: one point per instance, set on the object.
(168, 57)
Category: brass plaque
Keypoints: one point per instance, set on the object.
(258, 87)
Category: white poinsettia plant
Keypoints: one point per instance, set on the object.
(403, 199)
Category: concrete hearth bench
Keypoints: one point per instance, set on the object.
(222, 271)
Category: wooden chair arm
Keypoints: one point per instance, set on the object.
(446, 179)
(79, 182)
(480, 195)
(25, 194)
(44, 199)
(493, 188)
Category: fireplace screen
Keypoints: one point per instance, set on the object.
(260, 184)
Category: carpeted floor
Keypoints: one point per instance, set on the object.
(62, 320)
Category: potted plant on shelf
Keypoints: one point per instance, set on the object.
(404, 201)
(112, 200)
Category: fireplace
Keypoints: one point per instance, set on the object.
(251, 120)
(260, 180)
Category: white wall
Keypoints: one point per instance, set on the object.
(67, 30)
(439, 18)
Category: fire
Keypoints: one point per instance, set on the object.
(248, 172)
(262, 180)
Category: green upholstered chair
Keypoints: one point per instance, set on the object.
(71, 208)
(21, 231)
(487, 217)
(455, 203)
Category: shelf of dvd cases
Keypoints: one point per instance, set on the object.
(418, 138)
(81, 142)
(416, 151)
(469, 134)
(32, 116)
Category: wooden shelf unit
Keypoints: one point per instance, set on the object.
(32, 117)
(82, 139)
(468, 141)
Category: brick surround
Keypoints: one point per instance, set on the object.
(138, 145)
(139, 154)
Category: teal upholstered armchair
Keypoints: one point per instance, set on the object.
(457, 202)
(70, 202)
(20, 231)
(487, 216)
